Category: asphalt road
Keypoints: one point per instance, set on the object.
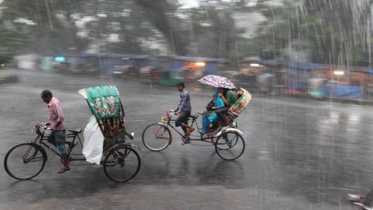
(300, 153)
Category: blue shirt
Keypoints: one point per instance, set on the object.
(219, 103)
(184, 104)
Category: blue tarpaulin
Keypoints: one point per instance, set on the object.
(342, 91)
(307, 66)
(196, 59)
(297, 79)
(294, 65)
(271, 62)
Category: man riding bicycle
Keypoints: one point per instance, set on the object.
(183, 109)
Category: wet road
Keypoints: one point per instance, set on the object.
(300, 154)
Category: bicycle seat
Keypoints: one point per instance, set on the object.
(75, 131)
(193, 117)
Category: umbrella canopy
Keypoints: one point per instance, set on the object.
(217, 81)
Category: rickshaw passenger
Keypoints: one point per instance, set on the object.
(209, 116)
(183, 109)
(231, 97)
(57, 125)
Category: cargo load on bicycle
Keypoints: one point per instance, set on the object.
(106, 106)
(105, 134)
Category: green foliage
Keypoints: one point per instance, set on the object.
(335, 31)
(51, 27)
(11, 40)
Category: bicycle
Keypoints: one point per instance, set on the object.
(229, 144)
(27, 160)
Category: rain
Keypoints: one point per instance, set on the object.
(187, 104)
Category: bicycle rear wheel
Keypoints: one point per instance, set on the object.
(122, 164)
(24, 161)
(156, 137)
(230, 145)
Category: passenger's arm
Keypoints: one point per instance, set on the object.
(219, 104)
(224, 99)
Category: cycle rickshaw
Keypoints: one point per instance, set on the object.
(229, 144)
(121, 162)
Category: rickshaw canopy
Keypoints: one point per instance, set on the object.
(104, 101)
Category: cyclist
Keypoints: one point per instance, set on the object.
(183, 110)
(57, 125)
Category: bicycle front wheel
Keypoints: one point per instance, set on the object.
(122, 164)
(230, 145)
(24, 161)
(156, 137)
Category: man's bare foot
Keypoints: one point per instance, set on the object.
(224, 128)
(209, 135)
(63, 169)
(185, 142)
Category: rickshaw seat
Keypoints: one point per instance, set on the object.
(75, 131)
(236, 109)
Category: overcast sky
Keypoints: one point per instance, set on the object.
(250, 3)
(195, 3)
(186, 3)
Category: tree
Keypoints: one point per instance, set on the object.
(156, 11)
(48, 24)
(337, 31)
(215, 32)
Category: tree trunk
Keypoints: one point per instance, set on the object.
(156, 12)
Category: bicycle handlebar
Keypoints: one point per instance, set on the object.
(170, 113)
(43, 127)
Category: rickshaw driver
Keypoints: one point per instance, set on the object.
(183, 109)
(57, 125)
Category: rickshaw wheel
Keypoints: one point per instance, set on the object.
(230, 145)
(122, 163)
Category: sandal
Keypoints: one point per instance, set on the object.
(187, 141)
(209, 135)
(63, 170)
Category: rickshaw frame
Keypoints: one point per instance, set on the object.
(213, 139)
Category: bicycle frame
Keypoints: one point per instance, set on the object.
(41, 138)
(194, 120)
